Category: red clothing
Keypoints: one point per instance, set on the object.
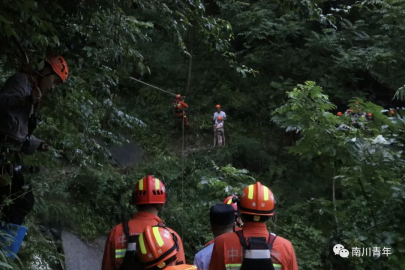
(181, 267)
(180, 105)
(227, 253)
(116, 243)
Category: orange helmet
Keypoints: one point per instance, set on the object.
(219, 118)
(59, 66)
(369, 114)
(155, 246)
(218, 106)
(357, 102)
(232, 200)
(257, 200)
(339, 114)
(178, 96)
(392, 112)
(149, 190)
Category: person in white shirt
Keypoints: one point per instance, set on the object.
(219, 112)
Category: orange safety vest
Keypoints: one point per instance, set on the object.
(228, 252)
(116, 244)
(181, 267)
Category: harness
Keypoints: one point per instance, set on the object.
(178, 108)
(257, 252)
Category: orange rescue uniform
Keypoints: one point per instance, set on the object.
(116, 245)
(227, 253)
(181, 267)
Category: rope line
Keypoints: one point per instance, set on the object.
(160, 89)
(182, 172)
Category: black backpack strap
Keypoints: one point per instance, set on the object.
(131, 239)
(125, 226)
(242, 238)
(272, 238)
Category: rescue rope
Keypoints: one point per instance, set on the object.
(182, 173)
(157, 88)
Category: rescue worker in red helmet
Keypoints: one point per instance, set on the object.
(339, 114)
(234, 200)
(19, 99)
(158, 248)
(179, 106)
(256, 206)
(149, 196)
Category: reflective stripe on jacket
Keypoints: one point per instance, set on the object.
(116, 244)
(228, 252)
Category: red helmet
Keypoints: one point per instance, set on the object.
(232, 200)
(219, 118)
(59, 66)
(178, 96)
(218, 106)
(369, 115)
(257, 200)
(392, 112)
(149, 190)
(155, 246)
(339, 114)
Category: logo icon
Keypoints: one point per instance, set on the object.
(344, 253)
(337, 248)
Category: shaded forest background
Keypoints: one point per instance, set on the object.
(331, 186)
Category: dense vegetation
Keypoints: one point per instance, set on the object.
(331, 186)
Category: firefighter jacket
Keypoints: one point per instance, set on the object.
(116, 244)
(228, 252)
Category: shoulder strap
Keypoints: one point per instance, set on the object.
(272, 238)
(125, 226)
(242, 238)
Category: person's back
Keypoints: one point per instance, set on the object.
(149, 197)
(282, 253)
(254, 245)
(222, 219)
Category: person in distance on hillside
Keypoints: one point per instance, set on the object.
(179, 106)
(157, 248)
(149, 196)
(222, 219)
(262, 249)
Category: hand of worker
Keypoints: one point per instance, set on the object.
(43, 147)
(36, 94)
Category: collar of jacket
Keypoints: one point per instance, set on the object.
(146, 215)
(254, 226)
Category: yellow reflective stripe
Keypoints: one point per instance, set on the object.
(157, 184)
(277, 266)
(230, 201)
(233, 266)
(250, 195)
(120, 253)
(142, 244)
(141, 184)
(266, 193)
(158, 237)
